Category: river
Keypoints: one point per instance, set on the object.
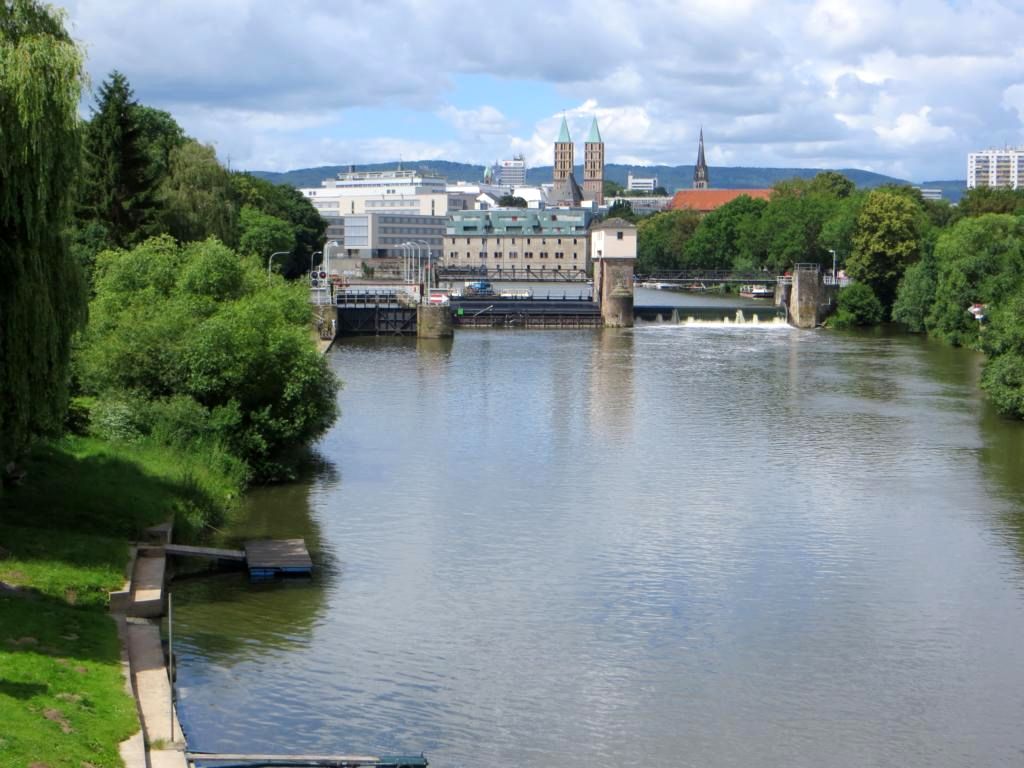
(673, 545)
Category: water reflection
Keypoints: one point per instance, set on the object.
(714, 546)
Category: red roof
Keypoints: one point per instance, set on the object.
(704, 200)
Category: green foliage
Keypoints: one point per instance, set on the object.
(197, 196)
(1003, 379)
(622, 209)
(981, 200)
(790, 228)
(42, 297)
(264, 235)
(287, 204)
(612, 188)
(916, 295)
(511, 201)
(198, 322)
(887, 240)
(980, 260)
(726, 238)
(159, 136)
(661, 240)
(857, 305)
(120, 183)
(831, 184)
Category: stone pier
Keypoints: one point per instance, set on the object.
(434, 321)
(613, 254)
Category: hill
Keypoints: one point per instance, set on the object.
(669, 176)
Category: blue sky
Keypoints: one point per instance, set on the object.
(905, 87)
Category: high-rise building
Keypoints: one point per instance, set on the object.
(641, 183)
(996, 168)
(593, 166)
(701, 180)
(512, 173)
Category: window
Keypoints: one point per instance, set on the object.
(618, 235)
(483, 254)
(559, 241)
(574, 241)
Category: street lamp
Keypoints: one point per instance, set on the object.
(833, 264)
(271, 259)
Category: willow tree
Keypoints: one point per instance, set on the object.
(42, 301)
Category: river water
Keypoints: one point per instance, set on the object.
(676, 545)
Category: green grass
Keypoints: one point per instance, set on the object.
(62, 697)
(64, 535)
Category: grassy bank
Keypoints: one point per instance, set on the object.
(63, 543)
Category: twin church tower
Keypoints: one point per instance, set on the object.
(566, 190)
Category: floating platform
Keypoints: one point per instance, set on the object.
(327, 761)
(265, 558)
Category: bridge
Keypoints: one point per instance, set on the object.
(684, 277)
(511, 274)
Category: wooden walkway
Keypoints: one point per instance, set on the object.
(333, 761)
(265, 558)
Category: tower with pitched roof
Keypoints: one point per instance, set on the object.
(563, 154)
(593, 166)
(700, 171)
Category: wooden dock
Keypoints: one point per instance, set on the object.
(328, 761)
(265, 558)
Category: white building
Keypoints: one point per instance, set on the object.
(641, 183)
(996, 168)
(930, 193)
(512, 173)
(358, 192)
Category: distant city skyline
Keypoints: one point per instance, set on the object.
(902, 88)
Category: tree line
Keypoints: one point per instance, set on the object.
(953, 272)
(133, 273)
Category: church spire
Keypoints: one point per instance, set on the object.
(700, 171)
(563, 135)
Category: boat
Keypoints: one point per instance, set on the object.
(757, 292)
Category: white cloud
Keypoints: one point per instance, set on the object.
(904, 86)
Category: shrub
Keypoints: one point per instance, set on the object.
(857, 305)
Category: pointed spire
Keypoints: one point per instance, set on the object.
(700, 171)
(594, 137)
(563, 135)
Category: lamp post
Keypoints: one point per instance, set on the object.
(426, 266)
(830, 250)
(271, 260)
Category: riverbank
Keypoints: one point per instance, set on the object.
(64, 535)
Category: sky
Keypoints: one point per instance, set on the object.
(905, 88)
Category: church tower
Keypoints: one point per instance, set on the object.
(563, 154)
(700, 171)
(593, 166)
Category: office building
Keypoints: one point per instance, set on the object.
(641, 183)
(512, 173)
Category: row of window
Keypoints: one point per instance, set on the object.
(454, 255)
(543, 241)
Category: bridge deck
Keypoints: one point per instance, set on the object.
(212, 553)
(266, 557)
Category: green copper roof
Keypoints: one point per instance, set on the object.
(563, 135)
(594, 137)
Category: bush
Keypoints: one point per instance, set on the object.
(1003, 379)
(857, 305)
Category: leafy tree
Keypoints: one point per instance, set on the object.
(981, 200)
(887, 240)
(290, 205)
(916, 294)
(622, 209)
(197, 321)
(831, 184)
(857, 305)
(119, 185)
(837, 229)
(980, 261)
(1003, 341)
(263, 234)
(197, 196)
(612, 188)
(661, 240)
(159, 135)
(511, 201)
(42, 299)
(719, 242)
(790, 227)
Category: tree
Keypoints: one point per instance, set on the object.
(857, 305)
(978, 201)
(197, 330)
(1003, 341)
(661, 240)
(916, 294)
(263, 235)
(831, 184)
(42, 299)
(622, 209)
(119, 185)
(887, 240)
(197, 197)
(612, 188)
(160, 135)
(980, 261)
(511, 201)
(719, 241)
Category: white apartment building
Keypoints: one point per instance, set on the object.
(996, 168)
(360, 192)
(641, 183)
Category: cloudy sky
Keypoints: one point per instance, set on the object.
(905, 88)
